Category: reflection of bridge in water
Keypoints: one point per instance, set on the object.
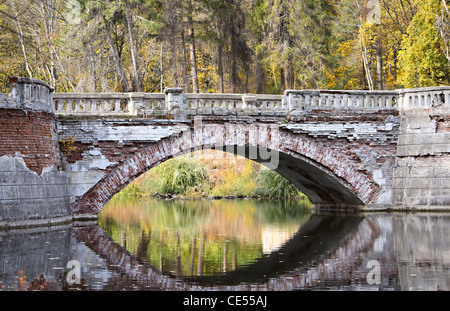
(326, 249)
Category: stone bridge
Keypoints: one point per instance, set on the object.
(367, 150)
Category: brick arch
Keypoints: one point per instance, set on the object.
(325, 174)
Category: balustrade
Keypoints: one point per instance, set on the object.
(293, 101)
(424, 98)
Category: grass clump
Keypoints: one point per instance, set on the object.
(205, 176)
(270, 184)
(181, 175)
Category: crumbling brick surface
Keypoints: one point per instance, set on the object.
(30, 135)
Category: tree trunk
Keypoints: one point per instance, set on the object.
(193, 56)
(21, 40)
(119, 69)
(136, 73)
(220, 67)
(233, 61)
(260, 75)
(184, 75)
(173, 46)
(380, 64)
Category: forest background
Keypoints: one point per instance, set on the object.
(246, 46)
(224, 46)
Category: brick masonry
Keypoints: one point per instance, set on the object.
(33, 189)
(31, 136)
(336, 161)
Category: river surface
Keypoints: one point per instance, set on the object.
(245, 245)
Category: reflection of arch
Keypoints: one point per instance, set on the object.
(321, 235)
(322, 173)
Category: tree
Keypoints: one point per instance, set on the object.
(422, 57)
(443, 24)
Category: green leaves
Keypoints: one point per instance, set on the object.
(179, 175)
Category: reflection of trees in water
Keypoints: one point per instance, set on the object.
(298, 264)
(199, 237)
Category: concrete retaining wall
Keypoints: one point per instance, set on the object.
(33, 187)
(422, 172)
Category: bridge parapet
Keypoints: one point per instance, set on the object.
(28, 93)
(363, 101)
(424, 98)
(158, 104)
(292, 102)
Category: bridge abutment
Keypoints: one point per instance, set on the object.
(33, 187)
(422, 170)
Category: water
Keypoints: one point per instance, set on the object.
(230, 245)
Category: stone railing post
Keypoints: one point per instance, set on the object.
(32, 94)
(135, 103)
(176, 102)
(249, 101)
(292, 98)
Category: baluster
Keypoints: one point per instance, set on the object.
(238, 104)
(436, 99)
(381, 102)
(111, 106)
(70, 107)
(377, 101)
(314, 102)
(337, 101)
(76, 106)
(344, 101)
(360, 101)
(103, 103)
(389, 102)
(329, 101)
(117, 106)
(79, 106)
(57, 104)
(367, 101)
(146, 105)
(279, 105)
(223, 104)
(352, 101)
(416, 101)
(93, 106)
(306, 104)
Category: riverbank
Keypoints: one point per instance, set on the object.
(215, 197)
(212, 176)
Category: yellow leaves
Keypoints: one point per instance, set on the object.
(423, 63)
(67, 145)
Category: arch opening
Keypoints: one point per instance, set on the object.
(319, 183)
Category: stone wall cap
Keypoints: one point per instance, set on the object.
(168, 90)
(25, 80)
(425, 89)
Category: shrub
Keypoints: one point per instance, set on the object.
(273, 185)
(180, 175)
